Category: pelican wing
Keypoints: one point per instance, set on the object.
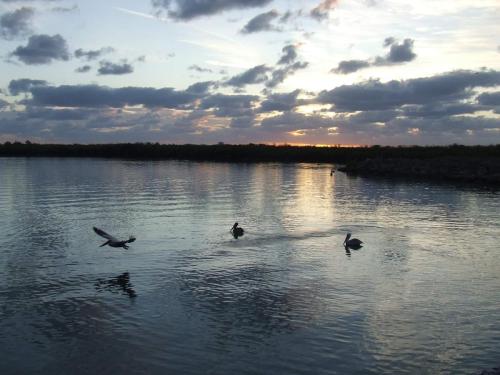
(102, 233)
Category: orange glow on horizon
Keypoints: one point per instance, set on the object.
(294, 144)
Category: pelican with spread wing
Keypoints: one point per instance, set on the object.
(112, 241)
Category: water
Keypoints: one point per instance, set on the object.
(421, 297)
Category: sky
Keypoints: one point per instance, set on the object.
(321, 72)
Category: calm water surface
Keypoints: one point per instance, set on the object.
(421, 297)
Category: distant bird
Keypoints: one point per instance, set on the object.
(237, 231)
(352, 242)
(112, 241)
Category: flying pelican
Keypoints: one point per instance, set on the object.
(352, 242)
(112, 241)
(237, 231)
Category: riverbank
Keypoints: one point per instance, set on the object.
(460, 169)
(474, 164)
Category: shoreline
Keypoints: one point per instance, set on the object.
(455, 163)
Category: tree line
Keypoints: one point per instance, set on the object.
(245, 153)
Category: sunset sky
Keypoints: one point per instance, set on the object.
(326, 72)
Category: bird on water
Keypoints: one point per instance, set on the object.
(352, 242)
(237, 231)
(112, 241)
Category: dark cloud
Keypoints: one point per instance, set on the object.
(257, 74)
(279, 75)
(230, 105)
(398, 53)
(23, 85)
(289, 54)
(188, 9)
(42, 49)
(201, 88)
(270, 77)
(280, 102)
(320, 12)
(16, 24)
(94, 96)
(370, 117)
(3, 104)
(83, 69)
(439, 110)
(261, 22)
(375, 95)
(242, 122)
(287, 16)
(73, 8)
(389, 40)
(110, 68)
(92, 54)
(199, 69)
(489, 99)
(350, 66)
(290, 121)
(58, 114)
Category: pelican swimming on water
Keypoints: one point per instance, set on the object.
(352, 242)
(112, 241)
(237, 231)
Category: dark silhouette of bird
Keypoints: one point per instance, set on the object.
(237, 231)
(112, 241)
(352, 242)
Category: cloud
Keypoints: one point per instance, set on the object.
(439, 110)
(73, 8)
(23, 85)
(186, 10)
(280, 102)
(199, 69)
(58, 114)
(279, 75)
(375, 95)
(110, 68)
(201, 88)
(83, 69)
(42, 49)
(257, 74)
(289, 54)
(288, 59)
(230, 105)
(399, 53)
(95, 96)
(16, 24)
(320, 12)
(92, 54)
(350, 66)
(290, 121)
(3, 104)
(261, 22)
(489, 98)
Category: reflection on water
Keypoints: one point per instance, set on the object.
(118, 283)
(421, 295)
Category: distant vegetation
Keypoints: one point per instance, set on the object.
(455, 162)
(245, 153)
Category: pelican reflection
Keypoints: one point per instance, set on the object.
(120, 282)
